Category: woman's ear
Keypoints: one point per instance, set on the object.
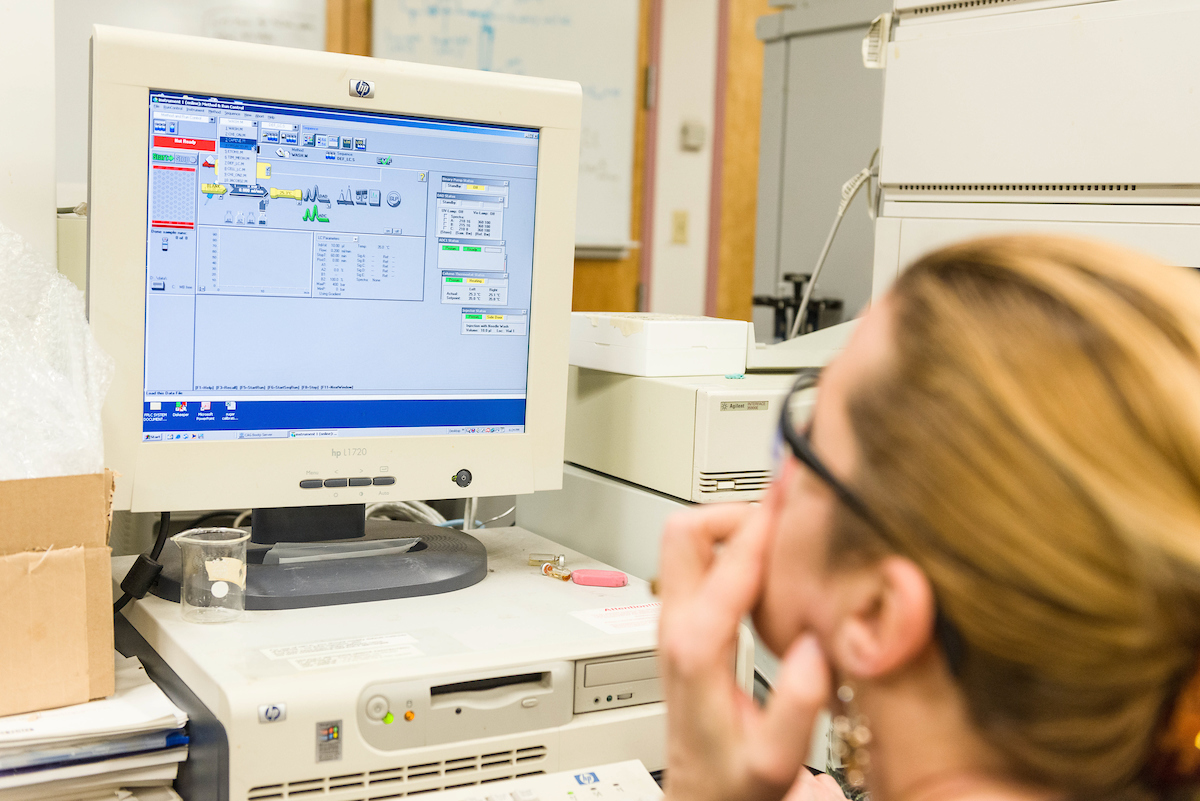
(886, 618)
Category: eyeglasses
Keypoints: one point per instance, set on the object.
(800, 445)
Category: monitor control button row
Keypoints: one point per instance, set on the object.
(363, 481)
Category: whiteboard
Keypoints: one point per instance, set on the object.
(292, 23)
(594, 43)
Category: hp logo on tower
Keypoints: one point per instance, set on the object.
(360, 88)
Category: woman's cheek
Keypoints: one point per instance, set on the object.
(792, 589)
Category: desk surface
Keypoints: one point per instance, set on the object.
(514, 616)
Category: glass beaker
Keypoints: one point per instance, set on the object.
(213, 589)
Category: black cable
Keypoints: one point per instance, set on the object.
(144, 573)
(164, 522)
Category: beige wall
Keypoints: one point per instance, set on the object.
(27, 173)
(682, 179)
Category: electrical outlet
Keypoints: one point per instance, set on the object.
(679, 227)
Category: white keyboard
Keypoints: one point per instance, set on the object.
(620, 781)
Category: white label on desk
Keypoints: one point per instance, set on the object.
(354, 658)
(622, 619)
(333, 647)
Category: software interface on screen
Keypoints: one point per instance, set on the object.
(321, 272)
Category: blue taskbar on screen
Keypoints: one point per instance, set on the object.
(164, 421)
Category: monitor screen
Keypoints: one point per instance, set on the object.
(317, 272)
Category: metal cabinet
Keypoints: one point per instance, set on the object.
(821, 120)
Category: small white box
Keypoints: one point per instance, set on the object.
(658, 344)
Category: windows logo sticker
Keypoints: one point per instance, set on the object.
(329, 741)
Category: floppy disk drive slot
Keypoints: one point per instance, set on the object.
(491, 693)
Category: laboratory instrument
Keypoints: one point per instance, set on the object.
(703, 438)
(1014, 118)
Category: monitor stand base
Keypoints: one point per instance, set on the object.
(443, 561)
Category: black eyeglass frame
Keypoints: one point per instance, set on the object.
(801, 447)
(953, 645)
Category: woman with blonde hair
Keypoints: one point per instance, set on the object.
(982, 550)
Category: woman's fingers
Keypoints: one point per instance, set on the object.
(688, 545)
(719, 744)
(833, 790)
(805, 788)
(713, 562)
(815, 788)
(783, 735)
(735, 582)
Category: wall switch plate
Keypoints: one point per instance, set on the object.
(679, 227)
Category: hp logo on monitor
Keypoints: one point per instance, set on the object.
(360, 88)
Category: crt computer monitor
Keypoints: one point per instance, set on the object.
(326, 279)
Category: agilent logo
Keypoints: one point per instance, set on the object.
(361, 88)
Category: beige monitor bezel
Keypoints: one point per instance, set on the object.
(176, 476)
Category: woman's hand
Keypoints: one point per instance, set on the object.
(719, 744)
(815, 788)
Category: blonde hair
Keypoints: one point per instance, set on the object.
(1035, 447)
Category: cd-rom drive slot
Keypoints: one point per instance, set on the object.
(614, 682)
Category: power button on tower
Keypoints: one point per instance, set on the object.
(463, 478)
(377, 707)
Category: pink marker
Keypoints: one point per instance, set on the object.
(599, 578)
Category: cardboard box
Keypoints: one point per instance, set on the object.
(55, 592)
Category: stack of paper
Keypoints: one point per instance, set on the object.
(124, 748)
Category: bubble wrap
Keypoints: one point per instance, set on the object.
(53, 375)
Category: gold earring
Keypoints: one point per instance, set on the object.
(852, 734)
